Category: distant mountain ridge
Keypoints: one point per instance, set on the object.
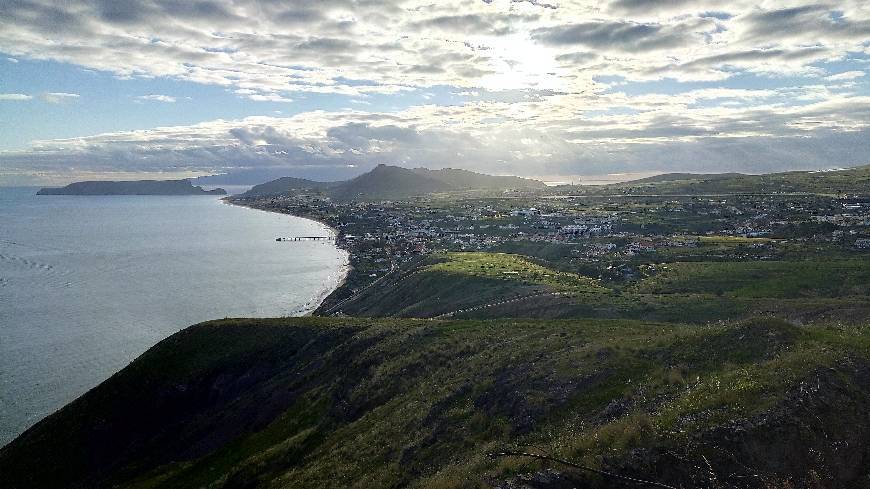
(135, 187)
(386, 182)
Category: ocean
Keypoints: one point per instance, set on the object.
(89, 283)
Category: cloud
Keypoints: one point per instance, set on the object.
(286, 47)
(14, 96)
(675, 132)
(760, 61)
(598, 84)
(623, 36)
(157, 98)
(12, 60)
(820, 21)
(58, 97)
(257, 97)
(846, 75)
(634, 6)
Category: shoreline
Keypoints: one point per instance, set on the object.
(344, 270)
(139, 333)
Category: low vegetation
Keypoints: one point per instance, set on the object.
(491, 285)
(697, 331)
(510, 267)
(315, 402)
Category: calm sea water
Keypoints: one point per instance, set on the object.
(89, 283)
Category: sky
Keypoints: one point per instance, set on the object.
(121, 89)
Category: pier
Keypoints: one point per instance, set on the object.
(305, 238)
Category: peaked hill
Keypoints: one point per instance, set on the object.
(386, 182)
(389, 182)
(284, 185)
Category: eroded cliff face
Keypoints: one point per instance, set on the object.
(317, 402)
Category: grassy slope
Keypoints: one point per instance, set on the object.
(316, 402)
(284, 185)
(830, 183)
(698, 291)
(764, 279)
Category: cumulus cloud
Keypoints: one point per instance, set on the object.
(546, 85)
(494, 137)
(352, 48)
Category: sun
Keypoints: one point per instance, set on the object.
(520, 63)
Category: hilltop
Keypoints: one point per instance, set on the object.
(386, 182)
(286, 185)
(831, 182)
(322, 402)
(136, 187)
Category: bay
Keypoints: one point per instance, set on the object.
(88, 283)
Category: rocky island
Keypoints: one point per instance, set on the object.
(137, 187)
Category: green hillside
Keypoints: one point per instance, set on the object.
(317, 402)
(285, 185)
(492, 285)
(834, 182)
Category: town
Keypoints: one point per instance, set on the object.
(614, 238)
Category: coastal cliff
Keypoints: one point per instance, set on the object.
(137, 187)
